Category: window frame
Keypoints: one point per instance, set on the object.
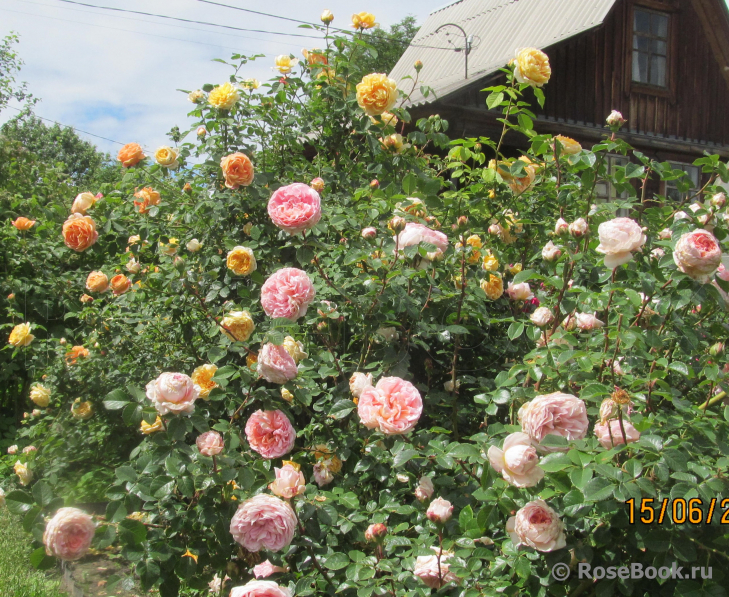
(668, 185)
(613, 160)
(650, 36)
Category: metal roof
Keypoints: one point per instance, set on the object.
(499, 28)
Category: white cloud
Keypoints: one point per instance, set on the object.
(116, 74)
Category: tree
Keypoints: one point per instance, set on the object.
(10, 65)
(388, 45)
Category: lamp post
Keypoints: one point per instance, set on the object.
(468, 40)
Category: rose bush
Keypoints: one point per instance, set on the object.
(362, 332)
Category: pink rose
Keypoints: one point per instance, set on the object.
(579, 228)
(542, 317)
(618, 239)
(260, 588)
(289, 482)
(266, 569)
(537, 526)
(550, 251)
(270, 433)
(287, 293)
(561, 227)
(698, 255)
(604, 431)
(359, 382)
(439, 511)
(29, 449)
(210, 443)
(393, 405)
(369, 233)
(586, 322)
(554, 414)
(665, 234)
(263, 522)
(68, 534)
(425, 489)
(173, 393)
(295, 208)
(722, 273)
(434, 576)
(375, 532)
(215, 584)
(322, 475)
(518, 461)
(414, 234)
(519, 292)
(276, 365)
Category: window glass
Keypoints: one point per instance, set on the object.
(650, 47)
(605, 191)
(671, 190)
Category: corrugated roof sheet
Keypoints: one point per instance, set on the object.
(499, 28)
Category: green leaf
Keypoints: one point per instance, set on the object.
(409, 184)
(515, 330)
(41, 561)
(679, 367)
(42, 493)
(115, 400)
(464, 451)
(403, 456)
(126, 473)
(580, 477)
(633, 467)
(132, 532)
(634, 171)
(523, 276)
(337, 561)
(115, 512)
(598, 489)
(341, 409)
(554, 462)
(18, 501)
(494, 100)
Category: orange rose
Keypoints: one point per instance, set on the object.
(23, 223)
(75, 353)
(237, 169)
(79, 232)
(97, 282)
(120, 284)
(315, 57)
(130, 155)
(148, 197)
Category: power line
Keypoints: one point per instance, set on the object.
(149, 14)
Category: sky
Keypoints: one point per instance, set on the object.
(117, 75)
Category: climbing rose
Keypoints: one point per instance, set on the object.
(79, 232)
(40, 395)
(82, 202)
(130, 154)
(618, 239)
(287, 293)
(270, 433)
(414, 234)
(68, 534)
(173, 393)
(425, 489)
(587, 321)
(518, 461)
(260, 588)
(241, 261)
(376, 93)
(542, 317)
(537, 526)
(237, 170)
(238, 325)
(203, 377)
(224, 96)
(439, 511)
(263, 522)
(519, 292)
(426, 569)
(210, 443)
(359, 382)
(289, 482)
(532, 66)
(23, 223)
(554, 414)
(20, 335)
(393, 406)
(698, 255)
(603, 431)
(275, 364)
(322, 474)
(295, 208)
(266, 569)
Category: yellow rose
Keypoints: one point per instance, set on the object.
(493, 287)
(223, 97)
(327, 458)
(166, 157)
(474, 257)
(285, 64)
(522, 183)
(376, 94)
(97, 282)
(515, 269)
(474, 241)
(394, 142)
(251, 84)
(197, 96)
(327, 16)
(363, 20)
(40, 395)
(252, 361)
(295, 349)
(21, 336)
(203, 376)
(490, 263)
(82, 410)
(286, 395)
(569, 145)
(170, 248)
(532, 66)
(82, 202)
(386, 119)
(146, 428)
(85, 298)
(25, 475)
(238, 325)
(241, 261)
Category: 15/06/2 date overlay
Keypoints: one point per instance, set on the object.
(678, 511)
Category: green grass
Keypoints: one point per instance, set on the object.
(17, 577)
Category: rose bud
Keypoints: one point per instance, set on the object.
(718, 200)
(327, 17)
(317, 184)
(375, 184)
(375, 532)
(397, 224)
(11, 296)
(418, 66)
(716, 349)
(462, 221)
(615, 119)
(369, 233)
(187, 188)
(201, 131)
(439, 511)
(578, 228)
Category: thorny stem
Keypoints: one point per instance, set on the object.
(647, 301)
(557, 318)
(312, 555)
(718, 398)
(622, 427)
(708, 398)
(440, 553)
(506, 119)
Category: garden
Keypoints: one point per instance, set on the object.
(315, 346)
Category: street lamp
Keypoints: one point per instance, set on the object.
(468, 39)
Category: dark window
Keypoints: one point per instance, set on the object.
(671, 187)
(650, 47)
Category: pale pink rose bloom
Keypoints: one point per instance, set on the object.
(276, 365)
(519, 292)
(289, 482)
(263, 522)
(518, 461)
(13, 449)
(722, 273)
(270, 433)
(554, 414)
(579, 227)
(173, 393)
(210, 443)
(586, 322)
(369, 233)
(260, 588)
(550, 251)
(657, 253)
(665, 234)
(266, 569)
(561, 227)
(698, 255)
(706, 220)
(617, 369)
(68, 534)
(29, 449)
(542, 316)
(393, 406)
(359, 382)
(414, 234)
(618, 239)
(216, 583)
(718, 200)
(439, 511)
(425, 489)
(615, 118)
(322, 475)
(680, 215)
(427, 570)
(537, 526)
(287, 293)
(82, 202)
(604, 431)
(295, 208)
